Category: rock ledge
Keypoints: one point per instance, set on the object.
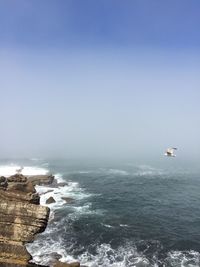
(21, 218)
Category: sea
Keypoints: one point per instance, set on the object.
(121, 213)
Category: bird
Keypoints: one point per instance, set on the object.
(18, 171)
(170, 152)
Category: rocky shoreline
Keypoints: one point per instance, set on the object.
(22, 218)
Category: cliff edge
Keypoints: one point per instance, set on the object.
(21, 218)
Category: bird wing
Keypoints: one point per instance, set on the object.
(170, 150)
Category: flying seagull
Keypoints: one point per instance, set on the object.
(170, 152)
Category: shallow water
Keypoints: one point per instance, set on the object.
(123, 213)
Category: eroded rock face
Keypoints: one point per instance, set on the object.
(62, 264)
(21, 218)
(41, 179)
(21, 265)
(17, 178)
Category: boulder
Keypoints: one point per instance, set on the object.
(2, 179)
(3, 182)
(50, 200)
(55, 256)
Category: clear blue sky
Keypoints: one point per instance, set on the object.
(66, 23)
(99, 78)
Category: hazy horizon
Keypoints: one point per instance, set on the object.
(105, 80)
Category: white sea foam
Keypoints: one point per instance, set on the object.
(11, 169)
(146, 173)
(84, 210)
(36, 159)
(53, 192)
(124, 256)
(104, 171)
(129, 256)
(108, 225)
(146, 170)
(183, 258)
(123, 225)
(71, 190)
(117, 172)
(142, 170)
(146, 167)
(59, 178)
(121, 257)
(41, 249)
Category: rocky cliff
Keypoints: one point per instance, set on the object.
(21, 218)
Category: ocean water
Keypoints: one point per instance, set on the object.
(123, 213)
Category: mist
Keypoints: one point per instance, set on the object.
(99, 103)
(99, 80)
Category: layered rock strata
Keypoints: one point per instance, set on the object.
(41, 179)
(21, 218)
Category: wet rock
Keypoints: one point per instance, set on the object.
(56, 184)
(62, 184)
(2, 179)
(56, 256)
(3, 182)
(62, 264)
(68, 199)
(48, 191)
(50, 200)
(41, 179)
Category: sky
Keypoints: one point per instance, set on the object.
(99, 78)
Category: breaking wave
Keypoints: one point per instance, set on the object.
(11, 169)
